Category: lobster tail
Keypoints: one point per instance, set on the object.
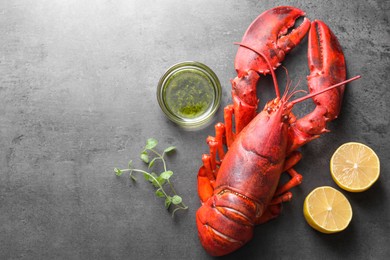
(226, 222)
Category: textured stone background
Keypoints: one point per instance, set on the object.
(77, 98)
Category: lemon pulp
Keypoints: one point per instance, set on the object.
(327, 210)
(354, 167)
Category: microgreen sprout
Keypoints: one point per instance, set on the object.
(162, 182)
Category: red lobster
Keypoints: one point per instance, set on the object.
(241, 188)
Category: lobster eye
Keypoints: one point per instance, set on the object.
(285, 118)
(269, 110)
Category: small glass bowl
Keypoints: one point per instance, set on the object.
(189, 94)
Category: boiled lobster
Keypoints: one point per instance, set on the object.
(239, 188)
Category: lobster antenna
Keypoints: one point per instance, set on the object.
(324, 90)
(288, 84)
(269, 65)
(286, 94)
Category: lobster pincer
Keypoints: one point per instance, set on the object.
(327, 67)
(271, 34)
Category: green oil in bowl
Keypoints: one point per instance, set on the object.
(189, 94)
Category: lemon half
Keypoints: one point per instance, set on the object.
(354, 167)
(327, 210)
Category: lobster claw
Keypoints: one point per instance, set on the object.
(327, 67)
(270, 34)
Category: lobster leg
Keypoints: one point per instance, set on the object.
(274, 208)
(282, 194)
(208, 172)
(327, 67)
(296, 178)
(228, 117)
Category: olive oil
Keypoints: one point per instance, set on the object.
(189, 94)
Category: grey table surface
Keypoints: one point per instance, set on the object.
(77, 98)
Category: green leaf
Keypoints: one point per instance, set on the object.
(144, 157)
(176, 199)
(151, 163)
(147, 177)
(168, 202)
(159, 193)
(166, 175)
(155, 184)
(169, 149)
(118, 172)
(151, 143)
(161, 181)
(158, 182)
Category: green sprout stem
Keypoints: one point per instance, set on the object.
(149, 175)
(157, 181)
(160, 157)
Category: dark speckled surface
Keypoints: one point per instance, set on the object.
(77, 98)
